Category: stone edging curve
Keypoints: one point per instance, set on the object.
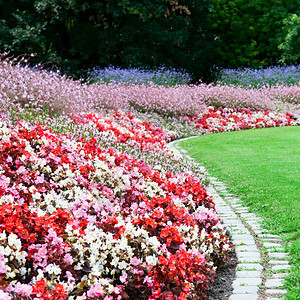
(262, 262)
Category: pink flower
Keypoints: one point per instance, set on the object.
(21, 170)
(95, 291)
(135, 261)
(23, 289)
(123, 277)
(149, 281)
(68, 259)
(39, 179)
(69, 276)
(2, 269)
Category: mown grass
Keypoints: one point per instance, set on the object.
(263, 168)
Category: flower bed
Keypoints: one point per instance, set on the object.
(81, 222)
(125, 128)
(79, 218)
(230, 119)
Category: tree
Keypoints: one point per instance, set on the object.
(80, 33)
(291, 43)
(249, 32)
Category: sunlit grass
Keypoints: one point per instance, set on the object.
(263, 168)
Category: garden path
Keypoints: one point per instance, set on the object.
(262, 262)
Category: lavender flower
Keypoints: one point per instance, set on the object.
(161, 76)
(274, 75)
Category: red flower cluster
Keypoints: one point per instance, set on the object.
(126, 128)
(230, 119)
(180, 271)
(40, 291)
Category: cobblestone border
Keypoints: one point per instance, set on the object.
(262, 262)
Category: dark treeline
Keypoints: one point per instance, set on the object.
(197, 36)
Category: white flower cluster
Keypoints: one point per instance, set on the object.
(11, 250)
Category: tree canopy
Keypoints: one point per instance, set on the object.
(194, 35)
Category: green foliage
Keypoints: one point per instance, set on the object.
(291, 44)
(184, 34)
(249, 32)
(79, 34)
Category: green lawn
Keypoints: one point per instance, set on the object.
(263, 168)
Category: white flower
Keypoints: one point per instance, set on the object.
(115, 261)
(123, 244)
(3, 236)
(53, 269)
(122, 265)
(7, 251)
(151, 260)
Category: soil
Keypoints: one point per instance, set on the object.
(221, 288)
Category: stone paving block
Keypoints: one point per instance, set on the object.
(247, 236)
(237, 205)
(252, 281)
(255, 226)
(225, 212)
(278, 262)
(278, 255)
(245, 290)
(242, 210)
(253, 223)
(237, 222)
(246, 248)
(273, 298)
(250, 266)
(235, 231)
(275, 291)
(267, 236)
(274, 240)
(248, 215)
(251, 254)
(276, 246)
(243, 242)
(274, 283)
(256, 229)
(228, 220)
(238, 231)
(243, 297)
(279, 275)
(248, 274)
(280, 267)
(220, 206)
(234, 201)
(248, 260)
(228, 216)
(245, 254)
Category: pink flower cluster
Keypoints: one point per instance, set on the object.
(230, 119)
(81, 222)
(40, 89)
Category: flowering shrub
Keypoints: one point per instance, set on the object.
(41, 90)
(81, 222)
(229, 119)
